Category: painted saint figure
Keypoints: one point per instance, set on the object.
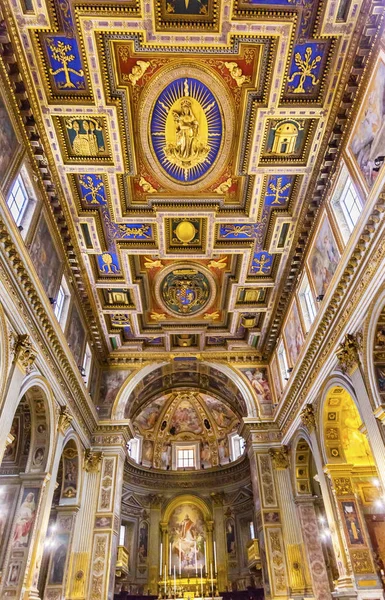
(25, 520)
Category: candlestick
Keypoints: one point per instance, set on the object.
(161, 559)
(174, 583)
(215, 558)
(212, 580)
(196, 560)
(180, 559)
(201, 584)
(165, 579)
(169, 560)
(205, 558)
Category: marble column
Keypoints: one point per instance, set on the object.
(220, 542)
(267, 511)
(154, 546)
(107, 518)
(299, 576)
(78, 567)
(313, 545)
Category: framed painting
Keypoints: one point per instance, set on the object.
(323, 257)
(352, 523)
(11, 149)
(46, 259)
(366, 145)
(76, 335)
(293, 332)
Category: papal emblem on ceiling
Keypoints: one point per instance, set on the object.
(186, 129)
(186, 291)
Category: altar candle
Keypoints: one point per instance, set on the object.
(205, 558)
(196, 560)
(165, 579)
(180, 559)
(215, 558)
(212, 580)
(161, 558)
(201, 584)
(169, 560)
(174, 582)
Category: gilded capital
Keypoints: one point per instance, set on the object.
(92, 461)
(65, 419)
(348, 352)
(23, 351)
(308, 418)
(280, 457)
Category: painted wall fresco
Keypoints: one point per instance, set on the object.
(259, 381)
(25, 518)
(76, 335)
(187, 535)
(294, 335)
(368, 138)
(148, 417)
(59, 558)
(8, 141)
(46, 259)
(323, 258)
(110, 384)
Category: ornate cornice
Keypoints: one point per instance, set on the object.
(370, 249)
(206, 479)
(366, 35)
(12, 270)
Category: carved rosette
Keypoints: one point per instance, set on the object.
(65, 420)
(92, 461)
(280, 457)
(23, 351)
(348, 353)
(308, 418)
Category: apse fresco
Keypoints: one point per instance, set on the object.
(223, 416)
(323, 258)
(368, 139)
(46, 259)
(294, 336)
(186, 418)
(187, 535)
(149, 416)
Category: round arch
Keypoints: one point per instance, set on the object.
(375, 344)
(186, 499)
(138, 380)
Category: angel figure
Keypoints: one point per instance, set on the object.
(138, 71)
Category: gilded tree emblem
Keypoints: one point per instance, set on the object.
(261, 265)
(277, 190)
(93, 196)
(306, 66)
(61, 53)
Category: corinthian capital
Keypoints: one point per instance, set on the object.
(92, 460)
(280, 457)
(348, 353)
(308, 417)
(23, 351)
(65, 419)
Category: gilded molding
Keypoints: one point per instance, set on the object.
(92, 461)
(23, 351)
(348, 352)
(307, 417)
(65, 420)
(280, 457)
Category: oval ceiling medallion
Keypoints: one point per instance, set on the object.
(186, 129)
(186, 291)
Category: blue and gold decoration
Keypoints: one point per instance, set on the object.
(286, 140)
(262, 263)
(239, 231)
(304, 74)
(185, 291)
(278, 190)
(108, 264)
(66, 67)
(86, 136)
(92, 189)
(186, 130)
(184, 235)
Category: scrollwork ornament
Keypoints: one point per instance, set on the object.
(308, 418)
(23, 351)
(280, 457)
(348, 353)
(92, 461)
(342, 486)
(65, 420)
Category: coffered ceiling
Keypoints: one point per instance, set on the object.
(188, 140)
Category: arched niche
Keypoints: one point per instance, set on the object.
(70, 464)
(343, 435)
(221, 380)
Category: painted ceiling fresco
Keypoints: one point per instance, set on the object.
(187, 136)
